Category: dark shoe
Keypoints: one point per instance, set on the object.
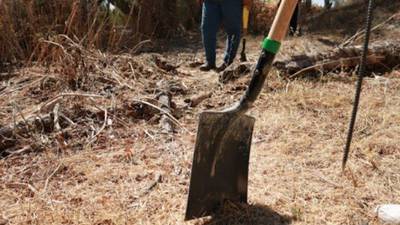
(207, 67)
(291, 32)
(299, 32)
(222, 67)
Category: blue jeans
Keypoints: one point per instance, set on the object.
(215, 13)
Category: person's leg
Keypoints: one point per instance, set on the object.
(232, 19)
(211, 19)
(293, 21)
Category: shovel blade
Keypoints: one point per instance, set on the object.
(220, 163)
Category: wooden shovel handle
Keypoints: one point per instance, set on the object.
(282, 19)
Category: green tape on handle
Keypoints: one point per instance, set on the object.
(271, 45)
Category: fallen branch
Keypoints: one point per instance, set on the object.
(347, 62)
(165, 100)
(138, 46)
(9, 134)
(152, 185)
(173, 119)
(23, 185)
(382, 55)
(102, 127)
(234, 71)
(158, 179)
(50, 176)
(196, 100)
(57, 126)
(7, 76)
(20, 151)
(58, 97)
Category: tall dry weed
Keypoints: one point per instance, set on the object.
(25, 24)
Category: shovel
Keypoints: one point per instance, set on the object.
(221, 157)
(246, 13)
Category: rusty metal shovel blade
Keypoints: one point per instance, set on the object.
(220, 162)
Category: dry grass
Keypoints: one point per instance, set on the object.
(135, 174)
(115, 165)
(24, 25)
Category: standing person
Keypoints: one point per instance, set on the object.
(215, 13)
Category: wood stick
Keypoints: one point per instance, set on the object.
(165, 122)
(335, 63)
(196, 100)
(163, 111)
(49, 177)
(383, 54)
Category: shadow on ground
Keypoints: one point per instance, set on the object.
(248, 215)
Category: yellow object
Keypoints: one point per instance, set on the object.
(246, 13)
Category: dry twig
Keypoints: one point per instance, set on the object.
(163, 111)
(49, 177)
(359, 34)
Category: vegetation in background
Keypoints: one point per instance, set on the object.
(112, 26)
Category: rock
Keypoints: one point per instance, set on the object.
(389, 214)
